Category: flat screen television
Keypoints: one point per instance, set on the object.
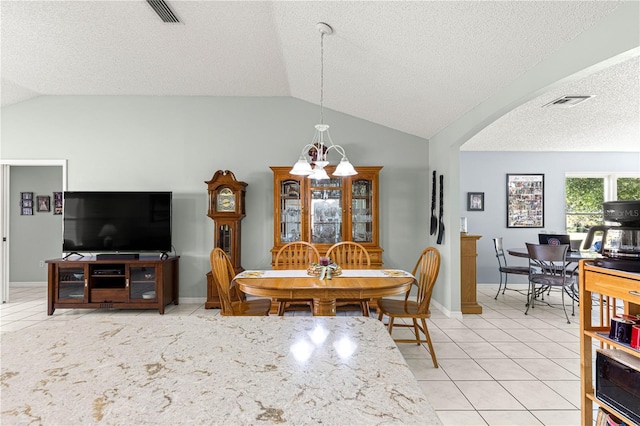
(110, 222)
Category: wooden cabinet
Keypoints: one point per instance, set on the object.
(468, 258)
(611, 293)
(123, 284)
(324, 212)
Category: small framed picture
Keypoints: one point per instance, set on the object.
(57, 203)
(475, 201)
(43, 203)
(27, 211)
(26, 203)
(26, 195)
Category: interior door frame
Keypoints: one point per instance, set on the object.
(5, 166)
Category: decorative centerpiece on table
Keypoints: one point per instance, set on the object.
(324, 269)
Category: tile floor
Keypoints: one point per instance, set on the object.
(497, 368)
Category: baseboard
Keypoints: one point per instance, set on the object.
(28, 284)
(447, 312)
(192, 300)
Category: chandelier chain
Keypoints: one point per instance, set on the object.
(322, 78)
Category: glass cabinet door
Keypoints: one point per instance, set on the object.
(72, 283)
(361, 211)
(142, 283)
(326, 211)
(290, 211)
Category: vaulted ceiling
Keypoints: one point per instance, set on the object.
(412, 66)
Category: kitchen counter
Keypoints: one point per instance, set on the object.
(209, 369)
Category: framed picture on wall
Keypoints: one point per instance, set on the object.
(475, 201)
(43, 203)
(57, 203)
(525, 200)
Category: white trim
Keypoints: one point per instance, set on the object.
(5, 165)
(192, 300)
(24, 284)
(448, 313)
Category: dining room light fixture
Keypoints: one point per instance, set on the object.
(321, 144)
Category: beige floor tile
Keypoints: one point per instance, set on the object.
(463, 369)
(545, 369)
(506, 323)
(558, 417)
(463, 335)
(445, 395)
(504, 369)
(423, 369)
(495, 335)
(568, 389)
(516, 350)
(477, 323)
(570, 364)
(478, 350)
(448, 323)
(535, 395)
(553, 350)
(461, 418)
(528, 336)
(488, 395)
(509, 418)
(449, 350)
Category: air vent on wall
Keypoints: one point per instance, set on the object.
(568, 101)
(163, 10)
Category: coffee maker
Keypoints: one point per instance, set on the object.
(620, 246)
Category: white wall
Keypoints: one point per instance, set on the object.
(177, 143)
(486, 172)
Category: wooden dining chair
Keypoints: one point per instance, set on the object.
(295, 255)
(426, 272)
(351, 255)
(223, 274)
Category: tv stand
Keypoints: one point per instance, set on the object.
(119, 283)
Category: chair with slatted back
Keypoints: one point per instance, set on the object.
(351, 255)
(295, 255)
(223, 274)
(503, 268)
(426, 272)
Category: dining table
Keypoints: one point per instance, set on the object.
(297, 284)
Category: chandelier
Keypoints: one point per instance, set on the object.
(321, 144)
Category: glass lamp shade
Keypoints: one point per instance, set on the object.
(345, 168)
(319, 173)
(302, 167)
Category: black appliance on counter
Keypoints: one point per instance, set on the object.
(620, 246)
(618, 381)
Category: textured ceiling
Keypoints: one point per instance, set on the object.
(412, 66)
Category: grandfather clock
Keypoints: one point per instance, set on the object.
(226, 208)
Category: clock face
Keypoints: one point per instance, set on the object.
(225, 200)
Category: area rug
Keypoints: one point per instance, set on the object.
(208, 370)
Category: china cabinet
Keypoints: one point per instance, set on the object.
(325, 212)
(611, 293)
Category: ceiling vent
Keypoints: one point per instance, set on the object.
(568, 101)
(164, 11)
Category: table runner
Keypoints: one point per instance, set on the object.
(298, 273)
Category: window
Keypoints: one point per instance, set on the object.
(585, 193)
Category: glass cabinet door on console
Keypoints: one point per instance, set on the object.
(325, 212)
(142, 283)
(72, 284)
